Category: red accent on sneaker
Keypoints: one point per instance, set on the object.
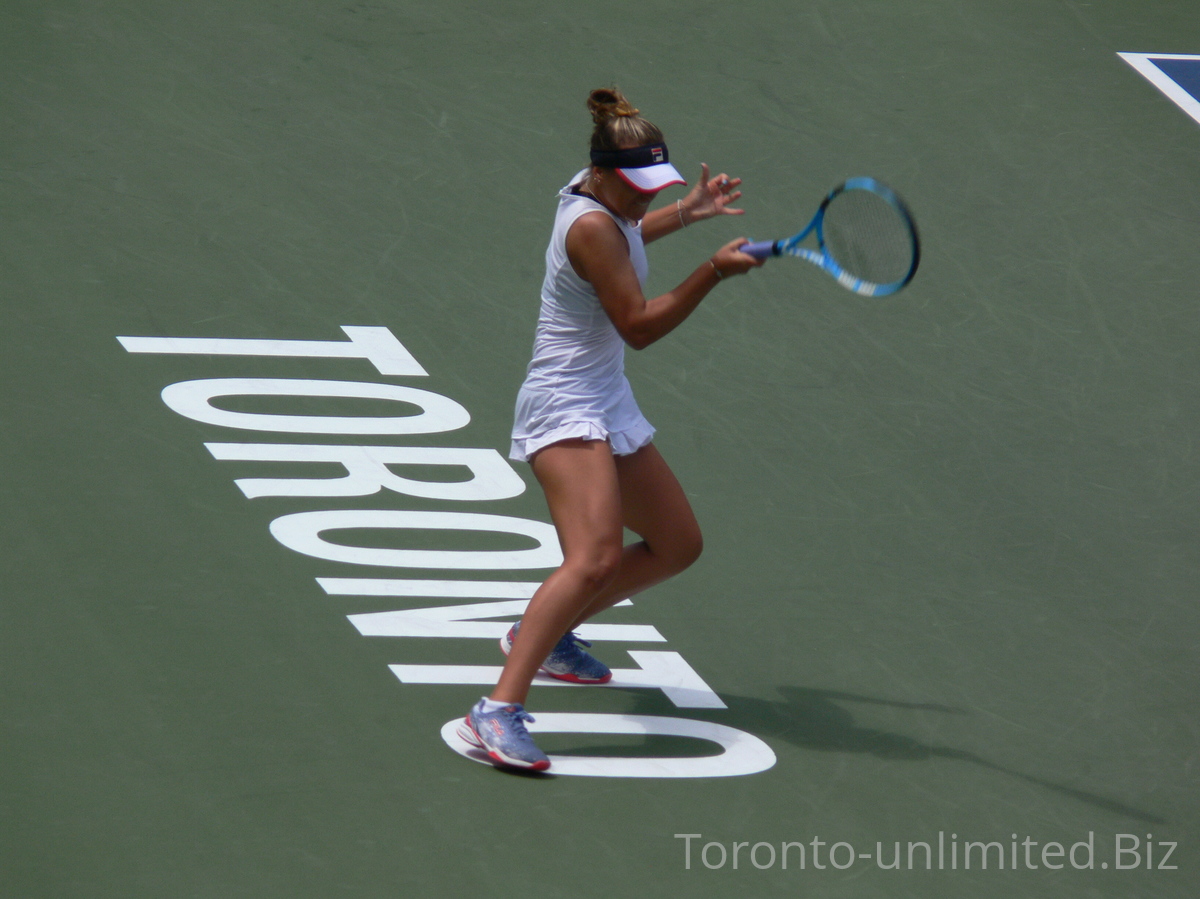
(506, 646)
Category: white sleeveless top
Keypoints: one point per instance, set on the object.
(575, 386)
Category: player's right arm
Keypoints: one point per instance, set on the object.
(599, 253)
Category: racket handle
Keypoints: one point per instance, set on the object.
(760, 250)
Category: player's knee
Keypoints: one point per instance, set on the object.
(598, 567)
(693, 548)
(684, 548)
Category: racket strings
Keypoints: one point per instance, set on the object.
(868, 237)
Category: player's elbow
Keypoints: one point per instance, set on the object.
(637, 337)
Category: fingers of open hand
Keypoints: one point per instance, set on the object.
(724, 190)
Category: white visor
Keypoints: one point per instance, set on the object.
(647, 169)
(651, 179)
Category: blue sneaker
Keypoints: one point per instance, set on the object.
(567, 661)
(502, 735)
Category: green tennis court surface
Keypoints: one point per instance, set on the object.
(943, 639)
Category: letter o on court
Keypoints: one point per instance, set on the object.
(741, 753)
(193, 399)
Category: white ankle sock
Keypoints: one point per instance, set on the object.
(487, 706)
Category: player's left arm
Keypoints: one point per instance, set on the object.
(710, 197)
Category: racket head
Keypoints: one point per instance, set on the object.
(866, 236)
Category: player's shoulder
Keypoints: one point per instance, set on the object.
(598, 231)
(595, 220)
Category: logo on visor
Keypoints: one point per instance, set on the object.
(658, 153)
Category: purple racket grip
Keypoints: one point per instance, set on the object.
(761, 249)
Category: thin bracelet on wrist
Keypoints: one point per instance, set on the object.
(679, 209)
(720, 277)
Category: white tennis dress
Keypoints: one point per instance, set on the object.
(575, 386)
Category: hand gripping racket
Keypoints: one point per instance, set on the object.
(866, 239)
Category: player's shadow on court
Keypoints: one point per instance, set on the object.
(819, 720)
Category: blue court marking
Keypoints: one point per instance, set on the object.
(1176, 75)
(1184, 72)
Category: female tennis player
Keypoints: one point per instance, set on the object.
(577, 423)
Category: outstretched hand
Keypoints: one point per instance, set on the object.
(712, 196)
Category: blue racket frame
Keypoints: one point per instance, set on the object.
(821, 257)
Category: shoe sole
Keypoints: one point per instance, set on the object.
(468, 734)
(505, 646)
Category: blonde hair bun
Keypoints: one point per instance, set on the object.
(606, 103)
(617, 122)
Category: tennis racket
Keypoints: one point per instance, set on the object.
(866, 239)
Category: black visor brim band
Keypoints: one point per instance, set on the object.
(631, 158)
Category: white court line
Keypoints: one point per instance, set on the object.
(1144, 63)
